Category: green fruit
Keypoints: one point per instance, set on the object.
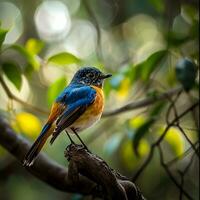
(186, 72)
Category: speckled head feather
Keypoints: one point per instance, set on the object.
(90, 76)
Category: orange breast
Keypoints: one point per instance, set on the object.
(98, 104)
(93, 112)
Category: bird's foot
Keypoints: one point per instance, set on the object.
(74, 147)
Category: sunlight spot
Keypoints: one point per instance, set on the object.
(82, 39)
(28, 124)
(11, 18)
(52, 20)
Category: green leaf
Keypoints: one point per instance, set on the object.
(143, 129)
(157, 109)
(63, 59)
(189, 12)
(159, 5)
(55, 89)
(186, 72)
(13, 73)
(128, 156)
(30, 58)
(140, 133)
(135, 72)
(144, 69)
(152, 63)
(34, 46)
(2, 36)
(175, 39)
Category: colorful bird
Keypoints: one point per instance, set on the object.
(78, 107)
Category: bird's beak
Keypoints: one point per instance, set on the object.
(104, 76)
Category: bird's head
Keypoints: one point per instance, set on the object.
(90, 76)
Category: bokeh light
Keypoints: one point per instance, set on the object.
(141, 32)
(82, 39)
(11, 19)
(52, 20)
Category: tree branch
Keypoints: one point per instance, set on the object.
(13, 97)
(59, 177)
(183, 155)
(113, 184)
(143, 103)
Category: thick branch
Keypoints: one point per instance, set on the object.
(114, 185)
(56, 175)
(44, 169)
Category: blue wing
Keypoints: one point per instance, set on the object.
(76, 99)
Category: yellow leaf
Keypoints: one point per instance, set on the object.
(128, 156)
(123, 90)
(175, 140)
(3, 152)
(34, 46)
(28, 124)
(136, 122)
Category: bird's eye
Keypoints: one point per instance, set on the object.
(90, 75)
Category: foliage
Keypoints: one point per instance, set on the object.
(186, 72)
(141, 130)
(63, 59)
(2, 36)
(12, 71)
(55, 89)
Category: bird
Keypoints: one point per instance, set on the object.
(78, 107)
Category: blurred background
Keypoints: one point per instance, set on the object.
(150, 46)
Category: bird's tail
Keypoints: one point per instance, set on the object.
(37, 145)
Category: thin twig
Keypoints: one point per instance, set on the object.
(170, 174)
(159, 140)
(188, 139)
(183, 173)
(174, 160)
(172, 106)
(175, 119)
(144, 165)
(13, 97)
